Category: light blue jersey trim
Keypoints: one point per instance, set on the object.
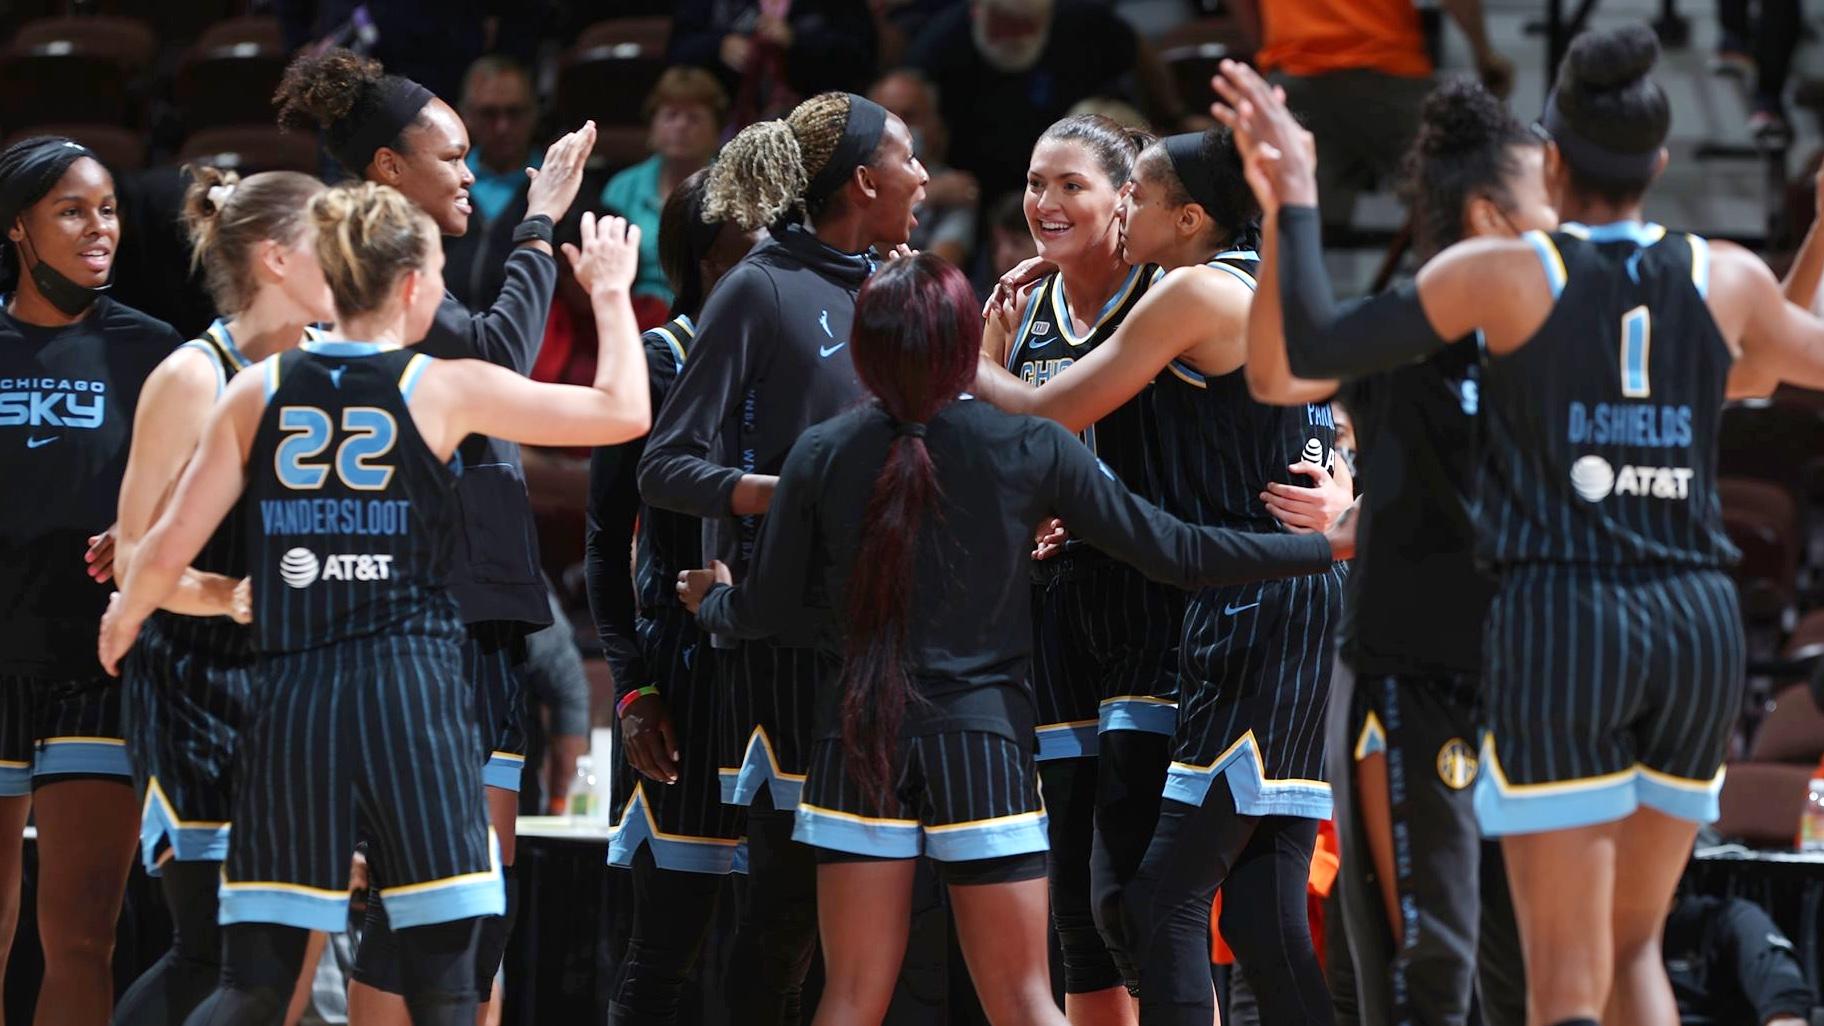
(1372, 740)
(1019, 834)
(1642, 233)
(1026, 319)
(15, 779)
(481, 893)
(413, 373)
(1138, 712)
(1700, 264)
(1254, 794)
(1068, 740)
(1503, 808)
(685, 854)
(190, 841)
(758, 766)
(343, 347)
(304, 909)
(1550, 259)
(94, 756)
(993, 839)
(503, 771)
(220, 330)
(270, 375)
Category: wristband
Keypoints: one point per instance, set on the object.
(537, 228)
(620, 708)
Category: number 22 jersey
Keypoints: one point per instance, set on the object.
(352, 518)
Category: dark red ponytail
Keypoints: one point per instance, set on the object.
(915, 343)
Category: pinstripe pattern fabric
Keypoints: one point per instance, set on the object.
(1257, 661)
(51, 728)
(1602, 430)
(185, 691)
(769, 720)
(960, 796)
(372, 739)
(687, 824)
(1607, 689)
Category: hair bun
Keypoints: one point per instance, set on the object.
(1460, 116)
(317, 91)
(1614, 59)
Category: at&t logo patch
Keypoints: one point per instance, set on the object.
(300, 568)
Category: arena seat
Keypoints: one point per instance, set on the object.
(607, 82)
(129, 42)
(252, 148)
(229, 76)
(62, 88)
(1762, 794)
(649, 34)
(121, 149)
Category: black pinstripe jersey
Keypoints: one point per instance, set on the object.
(1218, 447)
(668, 541)
(1602, 429)
(352, 519)
(1046, 343)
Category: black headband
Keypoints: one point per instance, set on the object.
(861, 133)
(1591, 157)
(1193, 171)
(29, 175)
(400, 101)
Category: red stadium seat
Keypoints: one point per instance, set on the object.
(650, 35)
(61, 88)
(1762, 795)
(252, 148)
(262, 30)
(608, 82)
(229, 76)
(121, 149)
(1195, 50)
(129, 42)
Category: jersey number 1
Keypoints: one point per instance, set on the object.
(1636, 341)
(368, 434)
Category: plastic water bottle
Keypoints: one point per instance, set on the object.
(581, 804)
(1811, 820)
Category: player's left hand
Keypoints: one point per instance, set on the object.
(1049, 539)
(609, 256)
(694, 584)
(100, 555)
(1307, 510)
(118, 632)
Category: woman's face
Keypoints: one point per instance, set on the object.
(300, 277)
(684, 132)
(432, 172)
(75, 228)
(1530, 207)
(1071, 206)
(899, 186)
(730, 246)
(1149, 221)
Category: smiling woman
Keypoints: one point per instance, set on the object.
(72, 363)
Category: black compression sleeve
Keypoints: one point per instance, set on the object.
(1328, 340)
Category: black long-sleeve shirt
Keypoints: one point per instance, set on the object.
(969, 639)
(496, 576)
(770, 359)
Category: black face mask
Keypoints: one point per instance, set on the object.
(71, 299)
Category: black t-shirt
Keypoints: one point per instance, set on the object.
(67, 400)
(969, 639)
(995, 116)
(1416, 599)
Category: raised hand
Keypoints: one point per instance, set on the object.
(555, 185)
(609, 256)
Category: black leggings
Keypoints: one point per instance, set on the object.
(179, 981)
(1262, 863)
(261, 962)
(1130, 782)
(377, 956)
(778, 931)
(672, 915)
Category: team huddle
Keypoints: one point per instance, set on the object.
(1077, 598)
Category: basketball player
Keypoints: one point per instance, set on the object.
(924, 740)
(72, 364)
(1614, 650)
(343, 450)
(189, 680)
(671, 826)
(391, 130)
(1406, 700)
(1245, 785)
(830, 180)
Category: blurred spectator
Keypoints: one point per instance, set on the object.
(556, 713)
(1729, 963)
(1006, 69)
(898, 22)
(431, 42)
(1356, 72)
(1009, 236)
(772, 53)
(946, 219)
(1119, 111)
(685, 112)
(1764, 48)
(499, 109)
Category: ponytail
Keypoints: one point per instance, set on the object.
(915, 338)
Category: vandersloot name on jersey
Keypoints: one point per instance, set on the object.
(52, 402)
(376, 517)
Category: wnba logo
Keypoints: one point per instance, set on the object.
(1456, 764)
(299, 568)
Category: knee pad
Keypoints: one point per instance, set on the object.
(491, 947)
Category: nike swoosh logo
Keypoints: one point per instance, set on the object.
(1040, 345)
(1232, 610)
(35, 443)
(828, 351)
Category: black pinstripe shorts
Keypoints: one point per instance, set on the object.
(59, 727)
(494, 659)
(768, 720)
(1607, 689)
